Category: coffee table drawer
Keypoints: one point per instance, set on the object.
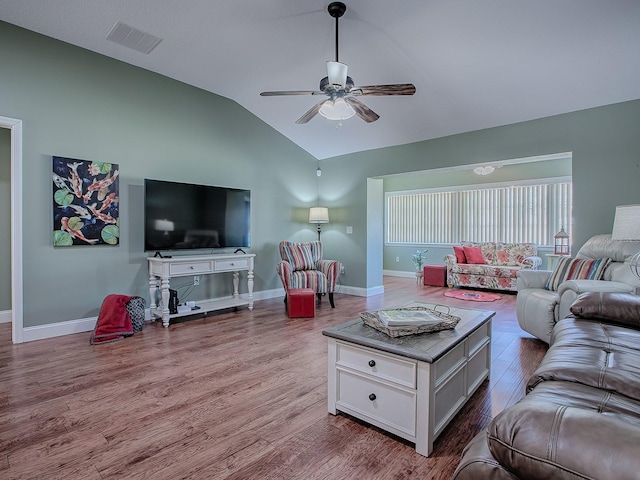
(379, 403)
(377, 364)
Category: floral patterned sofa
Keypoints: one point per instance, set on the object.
(492, 265)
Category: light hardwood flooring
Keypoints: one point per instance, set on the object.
(236, 395)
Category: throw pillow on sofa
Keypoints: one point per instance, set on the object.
(474, 255)
(459, 252)
(569, 268)
(614, 307)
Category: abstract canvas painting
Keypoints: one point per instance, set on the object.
(85, 203)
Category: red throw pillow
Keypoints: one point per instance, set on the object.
(460, 256)
(474, 255)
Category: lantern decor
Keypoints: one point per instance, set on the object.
(561, 242)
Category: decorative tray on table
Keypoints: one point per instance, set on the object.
(403, 321)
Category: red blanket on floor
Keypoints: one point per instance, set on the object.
(113, 322)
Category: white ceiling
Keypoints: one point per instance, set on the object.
(475, 64)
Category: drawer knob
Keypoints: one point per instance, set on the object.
(372, 363)
(372, 396)
(191, 267)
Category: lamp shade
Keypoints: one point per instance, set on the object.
(318, 215)
(626, 225)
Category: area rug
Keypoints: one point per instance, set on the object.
(472, 296)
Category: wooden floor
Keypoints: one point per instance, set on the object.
(237, 395)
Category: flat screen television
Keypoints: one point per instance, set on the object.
(182, 216)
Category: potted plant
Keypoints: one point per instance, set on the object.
(418, 260)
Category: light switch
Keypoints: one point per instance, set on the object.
(349, 229)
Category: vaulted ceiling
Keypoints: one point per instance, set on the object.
(475, 64)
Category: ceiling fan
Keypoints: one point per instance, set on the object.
(340, 89)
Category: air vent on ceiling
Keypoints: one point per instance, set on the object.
(133, 38)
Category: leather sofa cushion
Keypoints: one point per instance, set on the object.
(477, 462)
(563, 430)
(595, 354)
(620, 308)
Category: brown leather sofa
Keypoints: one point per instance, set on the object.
(580, 418)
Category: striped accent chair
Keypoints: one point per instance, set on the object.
(302, 266)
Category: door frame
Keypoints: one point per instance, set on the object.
(17, 324)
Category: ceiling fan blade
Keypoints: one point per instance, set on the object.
(364, 112)
(312, 112)
(291, 92)
(379, 90)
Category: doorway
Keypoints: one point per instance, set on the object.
(15, 126)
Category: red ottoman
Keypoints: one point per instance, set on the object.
(301, 303)
(435, 275)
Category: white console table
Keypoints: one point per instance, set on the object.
(162, 269)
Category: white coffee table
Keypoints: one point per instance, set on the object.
(410, 386)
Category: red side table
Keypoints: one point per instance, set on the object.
(435, 275)
(301, 303)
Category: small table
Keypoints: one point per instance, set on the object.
(410, 386)
(163, 269)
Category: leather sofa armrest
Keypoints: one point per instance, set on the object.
(583, 286)
(538, 439)
(532, 279)
(531, 263)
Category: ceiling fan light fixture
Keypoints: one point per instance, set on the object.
(486, 170)
(337, 73)
(336, 109)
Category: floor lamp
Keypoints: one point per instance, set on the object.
(319, 215)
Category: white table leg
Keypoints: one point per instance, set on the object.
(250, 288)
(165, 302)
(153, 288)
(236, 278)
(425, 414)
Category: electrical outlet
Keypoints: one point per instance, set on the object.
(196, 280)
(341, 268)
(397, 259)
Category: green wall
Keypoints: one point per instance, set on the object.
(75, 103)
(5, 219)
(560, 167)
(78, 104)
(604, 142)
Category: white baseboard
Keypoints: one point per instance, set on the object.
(57, 329)
(361, 292)
(69, 327)
(5, 316)
(398, 273)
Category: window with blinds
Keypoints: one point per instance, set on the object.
(527, 212)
